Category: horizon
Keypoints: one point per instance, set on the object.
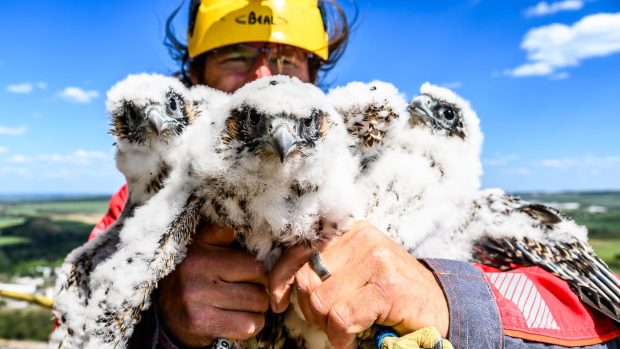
(542, 75)
(51, 196)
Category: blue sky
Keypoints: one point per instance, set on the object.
(544, 78)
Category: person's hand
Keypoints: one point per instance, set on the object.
(216, 292)
(373, 280)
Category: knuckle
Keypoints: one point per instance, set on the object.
(251, 327)
(261, 300)
(195, 320)
(317, 304)
(383, 289)
(340, 318)
(302, 280)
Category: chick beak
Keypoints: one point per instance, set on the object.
(420, 109)
(155, 120)
(283, 142)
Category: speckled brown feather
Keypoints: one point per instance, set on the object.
(372, 115)
(232, 130)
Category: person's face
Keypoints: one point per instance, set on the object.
(231, 67)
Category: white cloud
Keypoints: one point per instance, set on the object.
(521, 171)
(557, 46)
(544, 8)
(594, 163)
(3, 150)
(13, 131)
(77, 95)
(453, 85)
(26, 87)
(500, 161)
(78, 157)
(19, 159)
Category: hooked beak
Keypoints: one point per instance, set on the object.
(420, 110)
(282, 141)
(155, 120)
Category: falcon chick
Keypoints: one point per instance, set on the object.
(417, 177)
(501, 229)
(149, 115)
(282, 173)
(273, 163)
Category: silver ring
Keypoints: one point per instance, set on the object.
(318, 266)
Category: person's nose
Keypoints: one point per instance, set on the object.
(262, 71)
(262, 68)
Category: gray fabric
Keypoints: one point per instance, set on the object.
(474, 317)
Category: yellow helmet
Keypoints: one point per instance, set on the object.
(220, 23)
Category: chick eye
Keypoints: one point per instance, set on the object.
(307, 122)
(449, 114)
(172, 104)
(254, 118)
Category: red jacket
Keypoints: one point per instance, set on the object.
(117, 202)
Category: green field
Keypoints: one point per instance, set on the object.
(8, 221)
(610, 199)
(609, 251)
(13, 240)
(32, 209)
(42, 233)
(29, 323)
(600, 225)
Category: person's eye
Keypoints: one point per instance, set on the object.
(236, 59)
(288, 62)
(283, 62)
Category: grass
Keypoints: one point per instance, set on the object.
(43, 242)
(48, 208)
(609, 250)
(32, 323)
(8, 221)
(13, 240)
(599, 224)
(603, 198)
